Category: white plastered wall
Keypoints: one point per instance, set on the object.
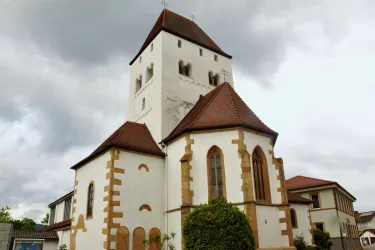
(92, 171)
(173, 195)
(179, 92)
(50, 245)
(64, 237)
(140, 187)
(303, 222)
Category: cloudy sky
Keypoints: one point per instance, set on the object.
(307, 68)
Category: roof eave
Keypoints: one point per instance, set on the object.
(61, 199)
(181, 36)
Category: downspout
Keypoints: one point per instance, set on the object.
(166, 183)
(338, 219)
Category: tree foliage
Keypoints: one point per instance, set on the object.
(300, 243)
(218, 225)
(45, 219)
(162, 242)
(24, 224)
(322, 239)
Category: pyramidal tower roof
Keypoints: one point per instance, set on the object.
(220, 108)
(182, 27)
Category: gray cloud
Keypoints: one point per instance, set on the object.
(64, 78)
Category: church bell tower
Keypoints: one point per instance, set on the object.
(176, 64)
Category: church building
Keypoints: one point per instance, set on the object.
(189, 138)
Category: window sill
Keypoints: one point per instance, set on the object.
(89, 217)
(186, 76)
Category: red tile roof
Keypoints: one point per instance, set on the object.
(130, 136)
(52, 235)
(303, 182)
(298, 182)
(220, 108)
(295, 198)
(181, 27)
(57, 226)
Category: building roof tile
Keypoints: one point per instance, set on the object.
(182, 27)
(47, 235)
(295, 198)
(130, 136)
(365, 216)
(303, 182)
(58, 225)
(220, 108)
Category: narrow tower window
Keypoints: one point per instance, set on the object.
(216, 173)
(152, 47)
(149, 72)
(261, 179)
(187, 70)
(138, 83)
(143, 103)
(181, 67)
(201, 52)
(140, 59)
(217, 80)
(179, 43)
(90, 200)
(215, 58)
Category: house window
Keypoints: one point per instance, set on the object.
(293, 218)
(90, 200)
(316, 201)
(179, 43)
(152, 47)
(67, 206)
(319, 225)
(52, 216)
(140, 59)
(153, 236)
(201, 52)
(216, 173)
(138, 83)
(261, 179)
(139, 236)
(143, 103)
(187, 70)
(122, 238)
(183, 69)
(149, 72)
(216, 58)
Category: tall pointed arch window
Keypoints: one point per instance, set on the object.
(216, 173)
(261, 178)
(293, 218)
(90, 200)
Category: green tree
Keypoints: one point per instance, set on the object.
(28, 224)
(218, 225)
(5, 214)
(300, 243)
(161, 242)
(322, 239)
(45, 219)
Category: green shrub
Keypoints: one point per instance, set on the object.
(217, 225)
(322, 239)
(300, 243)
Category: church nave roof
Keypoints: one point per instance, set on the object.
(130, 136)
(220, 108)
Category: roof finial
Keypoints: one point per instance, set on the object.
(224, 73)
(192, 17)
(164, 3)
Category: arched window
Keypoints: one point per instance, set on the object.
(149, 72)
(90, 200)
(122, 238)
(217, 80)
(216, 173)
(181, 67)
(138, 83)
(139, 236)
(153, 237)
(261, 179)
(211, 78)
(293, 218)
(187, 70)
(143, 103)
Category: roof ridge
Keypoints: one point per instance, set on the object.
(232, 101)
(218, 90)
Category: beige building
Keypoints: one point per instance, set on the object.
(331, 209)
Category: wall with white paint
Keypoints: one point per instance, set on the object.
(94, 170)
(269, 227)
(64, 237)
(140, 187)
(50, 245)
(303, 222)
